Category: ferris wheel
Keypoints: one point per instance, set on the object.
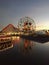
(26, 22)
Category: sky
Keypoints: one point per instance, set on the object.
(12, 10)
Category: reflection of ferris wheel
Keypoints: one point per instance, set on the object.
(26, 23)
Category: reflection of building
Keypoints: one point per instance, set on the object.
(5, 43)
(25, 47)
(26, 24)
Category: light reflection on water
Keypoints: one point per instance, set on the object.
(28, 47)
(23, 46)
(31, 50)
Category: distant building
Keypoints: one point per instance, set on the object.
(41, 32)
(9, 29)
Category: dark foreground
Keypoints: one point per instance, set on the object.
(14, 57)
(38, 54)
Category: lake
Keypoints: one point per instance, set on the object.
(26, 52)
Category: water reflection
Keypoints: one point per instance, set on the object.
(5, 43)
(23, 46)
(32, 51)
(16, 39)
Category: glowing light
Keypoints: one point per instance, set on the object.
(9, 33)
(18, 37)
(14, 37)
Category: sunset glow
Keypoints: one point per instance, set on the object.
(42, 28)
(12, 10)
